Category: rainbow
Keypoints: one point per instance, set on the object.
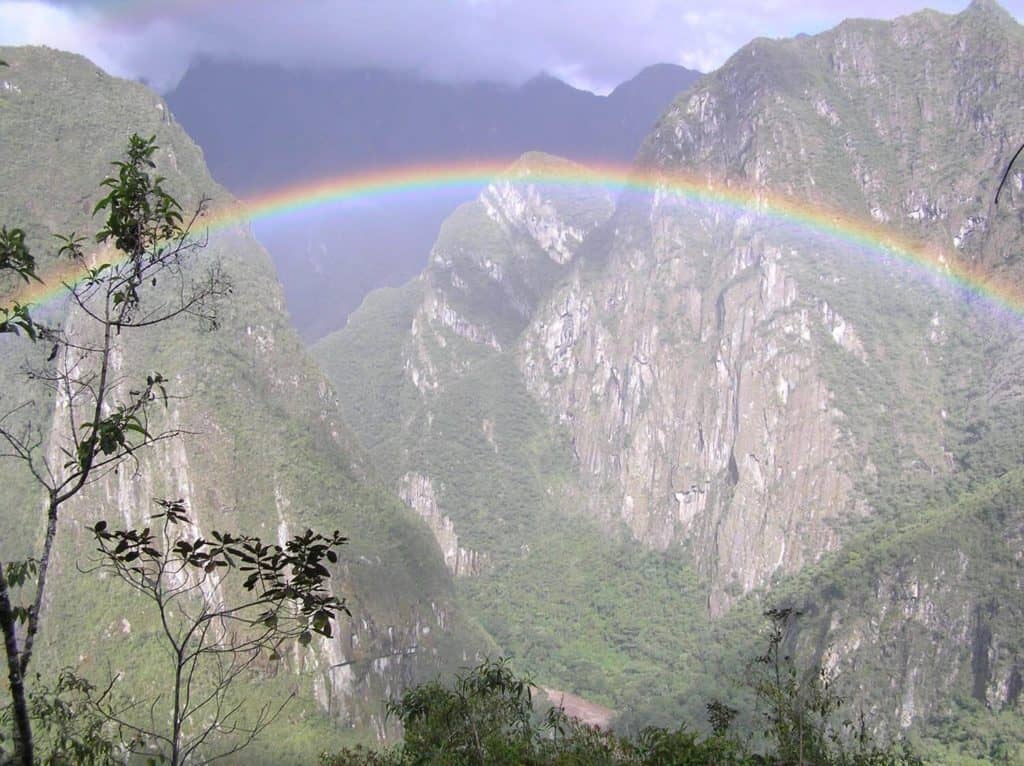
(403, 181)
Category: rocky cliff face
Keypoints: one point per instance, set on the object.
(264, 449)
(698, 407)
(923, 623)
(418, 492)
(702, 371)
(762, 395)
(493, 264)
(496, 259)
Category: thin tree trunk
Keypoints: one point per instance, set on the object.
(22, 724)
(177, 722)
(44, 566)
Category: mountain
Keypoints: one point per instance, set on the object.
(739, 397)
(428, 375)
(263, 127)
(265, 450)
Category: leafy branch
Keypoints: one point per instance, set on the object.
(150, 276)
(212, 639)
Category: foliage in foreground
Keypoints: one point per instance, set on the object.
(487, 718)
(213, 636)
(103, 427)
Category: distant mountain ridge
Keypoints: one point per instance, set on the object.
(352, 120)
(262, 127)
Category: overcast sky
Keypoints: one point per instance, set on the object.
(593, 44)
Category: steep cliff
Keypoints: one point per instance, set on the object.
(264, 449)
(753, 397)
(724, 366)
(427, 373)
(428, 377)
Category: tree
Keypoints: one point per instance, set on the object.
(796, 708)
(151, 277)
(214, 636)
(15, 259)
(799, 710)
(68, 728)
(487, 718)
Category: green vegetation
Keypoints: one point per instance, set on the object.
(563, 598)
(102, 432)
(263, 450)
(919, 608)
(925, 392)
(285, 592)
(212, 643)
(971, 735)
(578, 606)
(66, 726)
(487, 718)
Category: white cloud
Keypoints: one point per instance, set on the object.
(592, 43)
(132, 53)
(32, 23)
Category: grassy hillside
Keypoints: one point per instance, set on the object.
(265, 452)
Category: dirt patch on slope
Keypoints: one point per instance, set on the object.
(575, 706)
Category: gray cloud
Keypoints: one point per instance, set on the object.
(591, 43)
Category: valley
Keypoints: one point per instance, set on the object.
(608, 417)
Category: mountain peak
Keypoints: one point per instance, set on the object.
(532, 162)
(545, 82)
(988, 8)
(658, 82)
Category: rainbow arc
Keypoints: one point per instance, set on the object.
(410, 181)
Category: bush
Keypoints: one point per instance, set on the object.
(487, 718)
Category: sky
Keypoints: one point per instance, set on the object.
(592, 44)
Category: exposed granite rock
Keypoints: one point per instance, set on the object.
(419, 494)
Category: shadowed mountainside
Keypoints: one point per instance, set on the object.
(263, 127)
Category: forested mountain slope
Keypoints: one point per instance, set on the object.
(265, 450)
(744, 408)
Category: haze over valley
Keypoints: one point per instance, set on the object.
(664, 416)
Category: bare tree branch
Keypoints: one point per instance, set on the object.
(99, 427)
(212, 640)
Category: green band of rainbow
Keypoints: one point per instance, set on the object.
(428, 179)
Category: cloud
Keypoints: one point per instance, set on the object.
(30, 23)
(123, 51)
(591, 43)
